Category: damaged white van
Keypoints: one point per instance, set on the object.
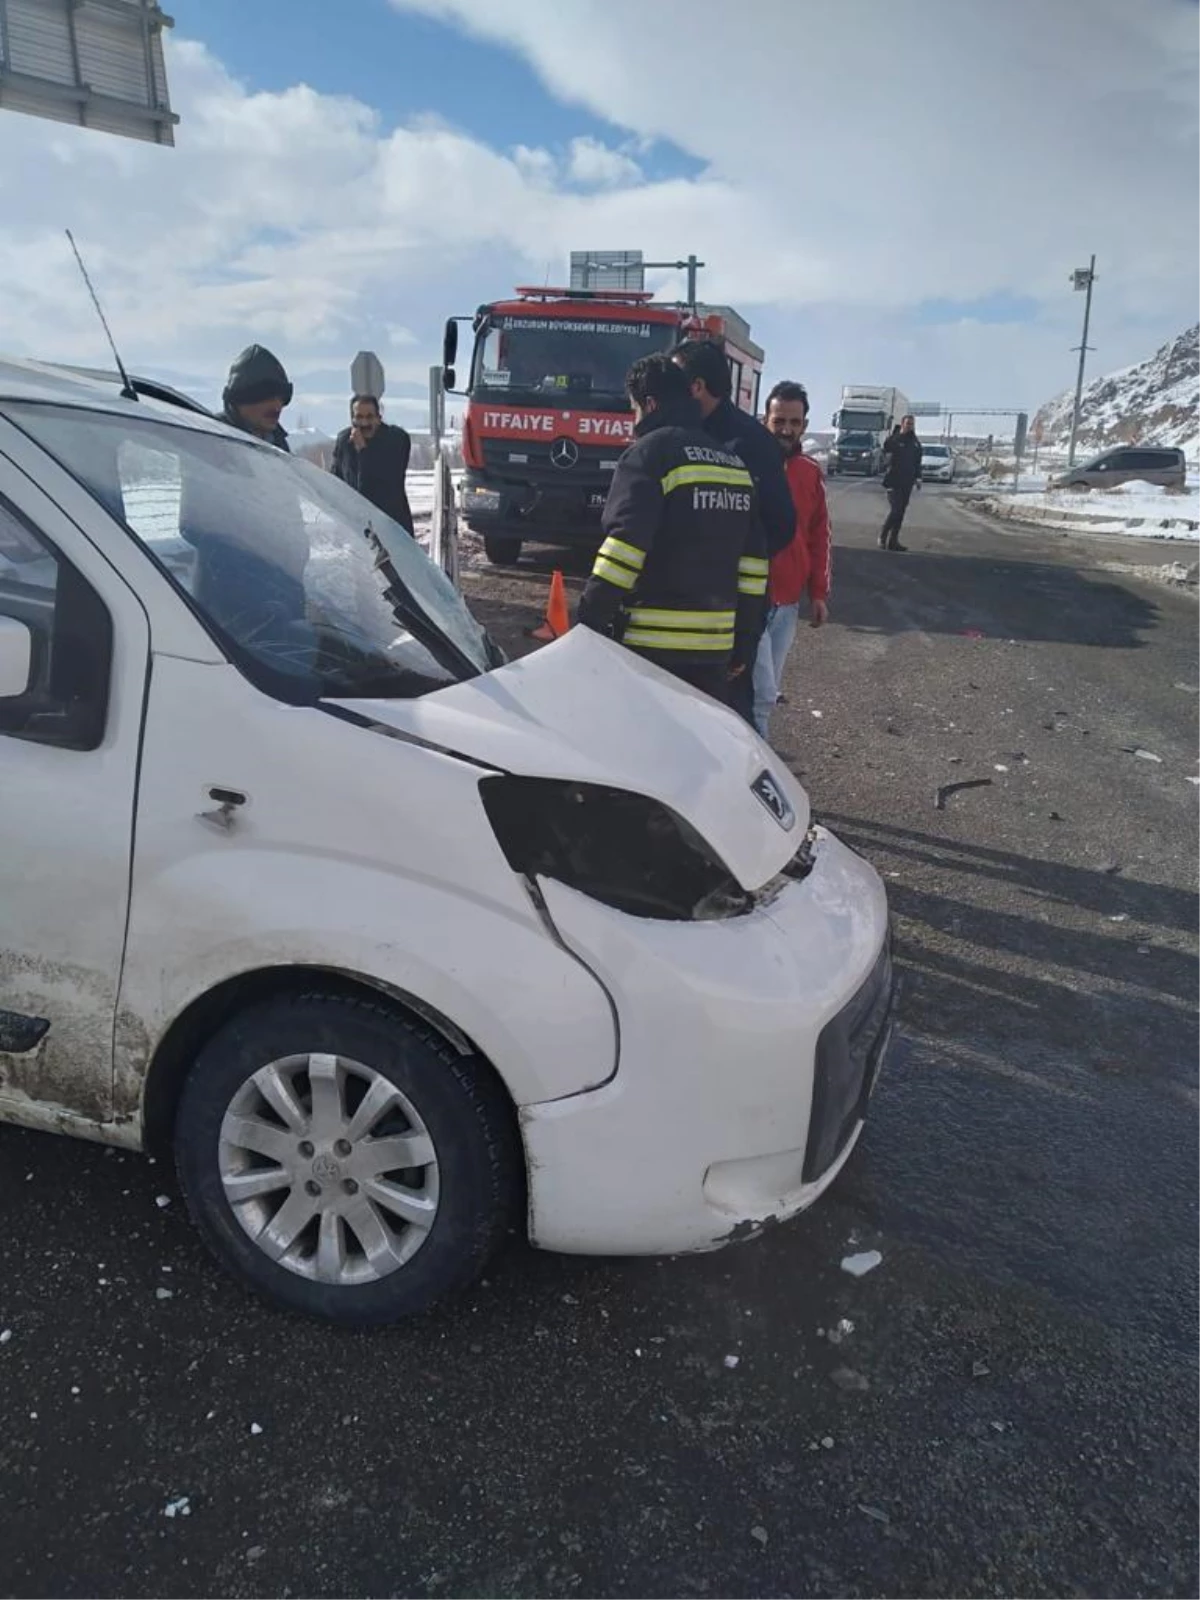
(392, 945)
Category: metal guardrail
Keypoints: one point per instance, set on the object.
(443, 528)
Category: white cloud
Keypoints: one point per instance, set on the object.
(881, 158)
(850, 171)
(594, 165)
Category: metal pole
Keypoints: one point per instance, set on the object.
(692, 265)
(1083, 349)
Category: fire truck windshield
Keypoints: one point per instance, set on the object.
(534, 355)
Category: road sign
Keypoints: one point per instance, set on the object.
(366, 374)
(925, 408)
(1019, 435)
(97, 63)
(1081, 277)
(607, 269)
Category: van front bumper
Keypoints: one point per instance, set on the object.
(748, 1052)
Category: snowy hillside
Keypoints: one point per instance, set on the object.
(1154, 402)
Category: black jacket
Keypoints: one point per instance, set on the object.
(682, 573)
(377, 470)
(904, 452)
(744, 436)
(255, 375)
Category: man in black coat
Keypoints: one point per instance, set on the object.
(903, 451)
(256, 392)
(706, 368)
(371, 455)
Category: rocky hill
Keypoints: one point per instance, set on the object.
(1154, 402)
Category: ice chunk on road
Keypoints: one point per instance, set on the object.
(862, 1263)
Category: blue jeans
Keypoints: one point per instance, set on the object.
(773, 649)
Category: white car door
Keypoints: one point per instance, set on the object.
(69, 751)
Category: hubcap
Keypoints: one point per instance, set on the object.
(329, 1168)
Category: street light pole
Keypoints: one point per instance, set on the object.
(1082, 278)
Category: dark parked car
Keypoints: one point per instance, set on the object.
(1128, 464)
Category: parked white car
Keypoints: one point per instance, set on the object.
(392, 944)
(937, 463)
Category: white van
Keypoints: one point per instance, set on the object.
(391, 944)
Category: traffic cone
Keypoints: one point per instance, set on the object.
(557, 620)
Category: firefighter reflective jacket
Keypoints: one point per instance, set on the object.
(682, 573)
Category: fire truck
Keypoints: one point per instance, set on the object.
(547, 416)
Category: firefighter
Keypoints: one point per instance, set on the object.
(681, 577)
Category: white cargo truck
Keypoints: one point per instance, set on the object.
(862, 422)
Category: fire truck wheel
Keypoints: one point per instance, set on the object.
(501, 552)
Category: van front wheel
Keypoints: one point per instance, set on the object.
(343, 1160)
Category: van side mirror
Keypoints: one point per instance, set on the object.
(16, 658)
(450, 348)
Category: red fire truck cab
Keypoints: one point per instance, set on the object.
(547, 417)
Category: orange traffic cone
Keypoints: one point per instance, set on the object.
(557, 619)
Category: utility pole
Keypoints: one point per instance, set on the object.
(691, 266)
(1082, 278)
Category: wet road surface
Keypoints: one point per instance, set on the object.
(1006, 1404)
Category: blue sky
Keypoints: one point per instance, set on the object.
(403, 66)
(347, 173)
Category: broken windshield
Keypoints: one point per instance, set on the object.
(311, 590)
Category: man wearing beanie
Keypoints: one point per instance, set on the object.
(255, 394)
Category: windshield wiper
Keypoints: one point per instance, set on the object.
(410, 615)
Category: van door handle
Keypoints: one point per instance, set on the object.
(227, 803)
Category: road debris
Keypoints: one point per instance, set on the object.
(862, 1263)
(945, 790)
(875, 1514)
(1120, 916)
(178, 1508)
(761, 1535)
(255, 1428)
(732, 1361)
(1142, 754)
(164, 1294)
(842, 1331)
(980, 1369)
(827, 1442)
(162, 1201)
(849, 1381)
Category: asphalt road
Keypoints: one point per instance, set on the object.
(1006, 1404)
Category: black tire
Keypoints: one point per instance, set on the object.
(465, 1112)
(501, 550)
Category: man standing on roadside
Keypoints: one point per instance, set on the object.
(706, 368)
(681, 577)
(256, 392)
(903, 451)
(805, 563)
(372, 455)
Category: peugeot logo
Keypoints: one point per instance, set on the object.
(564, 453)
(769, 794)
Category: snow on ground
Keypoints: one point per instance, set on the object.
(1136, 510)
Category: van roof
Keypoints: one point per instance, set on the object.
(96, 389)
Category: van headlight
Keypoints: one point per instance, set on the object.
(624, 850)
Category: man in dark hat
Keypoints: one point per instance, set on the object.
(256, 392)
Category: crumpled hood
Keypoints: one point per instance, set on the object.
(588, 710)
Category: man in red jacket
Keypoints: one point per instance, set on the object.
(802, 564)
